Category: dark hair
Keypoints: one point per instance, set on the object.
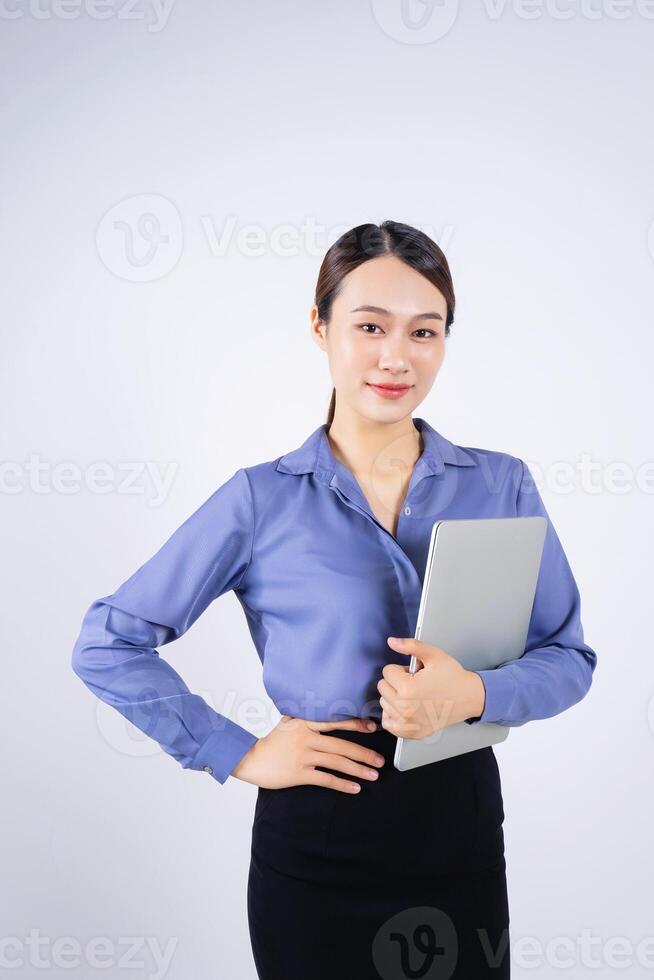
(365, 242)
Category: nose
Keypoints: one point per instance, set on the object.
(393, 355)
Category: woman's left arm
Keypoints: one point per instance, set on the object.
(556, 669)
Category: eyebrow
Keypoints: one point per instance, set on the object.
(379, 309)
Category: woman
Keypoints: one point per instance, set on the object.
(357, 869)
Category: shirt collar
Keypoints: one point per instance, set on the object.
(315, 454)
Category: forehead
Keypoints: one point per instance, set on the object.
(388, 282)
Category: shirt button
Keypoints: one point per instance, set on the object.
(407, 511)
(208, 769)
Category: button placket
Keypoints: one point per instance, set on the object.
(408, 579)
(342, 481)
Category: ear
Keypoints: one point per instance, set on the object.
(318, 328)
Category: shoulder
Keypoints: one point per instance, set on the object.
(469, 462)
(265, 483)
(261, 474)
(485, 458)
(495, 470)
(491, 457)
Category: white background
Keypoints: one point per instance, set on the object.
(519, 137)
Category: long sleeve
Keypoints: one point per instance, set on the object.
(115, 654)
(556, 669)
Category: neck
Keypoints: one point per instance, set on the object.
(366, 446)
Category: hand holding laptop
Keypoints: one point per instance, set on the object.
(443, 692)
(476, 603)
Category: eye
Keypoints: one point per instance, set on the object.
(421, 330)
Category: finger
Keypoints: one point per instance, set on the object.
(398, 708)
(386, 689)
(316, 777)
(330, 760)
(395, 674)
(349, 724)
(389, 711)
(399, 727)
(410, 646)
(389, 724)
(405, 644)
(340, 746)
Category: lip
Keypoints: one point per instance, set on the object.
(390, 391)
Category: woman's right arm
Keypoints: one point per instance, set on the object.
(116, 657)
(115, 653)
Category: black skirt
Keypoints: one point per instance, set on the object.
(404, 879)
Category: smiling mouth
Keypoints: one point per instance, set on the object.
(388, 387)
(389, 392)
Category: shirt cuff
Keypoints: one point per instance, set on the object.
(500, 692)
(223, 750)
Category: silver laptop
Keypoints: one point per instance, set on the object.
(476, 604)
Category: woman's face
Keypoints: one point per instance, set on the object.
(401, 342)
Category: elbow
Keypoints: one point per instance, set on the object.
(109, 640)
(80, 658)
(586, 663)
(84, 657)
(89, 651)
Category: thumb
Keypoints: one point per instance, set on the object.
(408, 645)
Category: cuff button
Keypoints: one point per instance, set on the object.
(208, 769)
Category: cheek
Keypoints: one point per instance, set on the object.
(351, 356)
(427, 360)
